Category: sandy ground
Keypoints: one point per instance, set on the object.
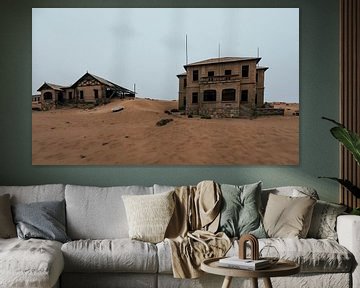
(99, 136)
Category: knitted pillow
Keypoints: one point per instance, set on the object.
(149, 215)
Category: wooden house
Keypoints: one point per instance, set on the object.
(88, 89)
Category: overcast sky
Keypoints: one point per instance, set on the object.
(147, 46)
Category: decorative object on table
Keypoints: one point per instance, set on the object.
(351, 142)
(247, 264)
(269, 253)
(254, 246)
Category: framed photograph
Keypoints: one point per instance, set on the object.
(165, 86)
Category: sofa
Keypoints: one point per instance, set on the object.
(99, 252)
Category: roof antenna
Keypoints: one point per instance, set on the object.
(219, 51)
(258, 54)
(186, 49)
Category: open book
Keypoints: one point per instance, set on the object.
(236, 262)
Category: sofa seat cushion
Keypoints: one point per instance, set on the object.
(115, 255)
(313, 255)
(30, 263)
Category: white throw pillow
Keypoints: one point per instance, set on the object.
(149, 215)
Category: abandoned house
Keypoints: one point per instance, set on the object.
(222, 87)
(88, 89)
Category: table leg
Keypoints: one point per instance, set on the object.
(267, 283)
(227, 282)
(254, 282)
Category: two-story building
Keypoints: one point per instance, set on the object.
(223, 87)
(88, 89)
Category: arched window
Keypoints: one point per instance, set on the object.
(209, 95)
(228, 95)
(48, 96)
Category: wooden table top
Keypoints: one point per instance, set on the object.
(281, 268)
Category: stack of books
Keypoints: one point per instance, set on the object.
(248, 264)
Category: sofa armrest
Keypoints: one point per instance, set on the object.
(348, 230)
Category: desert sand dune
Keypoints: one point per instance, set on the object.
(73, 136)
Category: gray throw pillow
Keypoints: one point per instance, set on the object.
(7, 227)
(323, 222)
(44, 220)
(240, 213)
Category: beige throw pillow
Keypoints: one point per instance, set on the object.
(288, 217)
(7, 226)
(149, 215)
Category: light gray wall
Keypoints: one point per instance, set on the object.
(319, 74)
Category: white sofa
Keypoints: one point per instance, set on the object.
(101, 254)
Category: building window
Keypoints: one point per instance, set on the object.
(81, 94)
(257, 77)
(227, 72)
(70, 95)
(210, 73)
(48, 96)
(96, 93)
(244, 96)
(245, 71)
(195, 98)
(209, 95)
(195, 75)
(228, 95)
(185, 82)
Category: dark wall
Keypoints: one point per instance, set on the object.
(319, 96)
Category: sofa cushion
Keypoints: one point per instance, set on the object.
(98, 213)
(291, 191)
(240, 210)
(30, 263)
(34, 193)
(149, 215)
(43, 220)
(117, 255)
(287, 216)
(323, 222)
(7, 227)
(313, 255)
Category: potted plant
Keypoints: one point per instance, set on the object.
(351, 141)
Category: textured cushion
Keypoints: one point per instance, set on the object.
(287, 216)
(34, 193)
(7, 227)
(323, 222)
(292, 191)
(313, 255)
(240, 210)
(117, 255)
(149, 215)
(98, 213)
(31, 263)
(44, 220)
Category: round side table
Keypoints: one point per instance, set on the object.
(281, 268)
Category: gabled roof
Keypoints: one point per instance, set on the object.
(103, 81)
(222, 60)
(47, 85)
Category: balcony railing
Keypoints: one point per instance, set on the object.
(221, 78)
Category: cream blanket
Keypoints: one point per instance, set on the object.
(191, 231)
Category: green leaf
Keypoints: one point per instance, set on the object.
(349, 139)
(347, 184)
